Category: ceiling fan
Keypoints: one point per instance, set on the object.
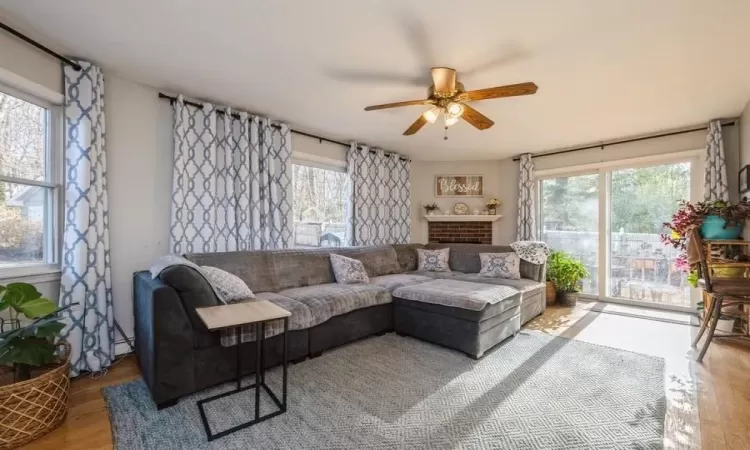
(449, 97)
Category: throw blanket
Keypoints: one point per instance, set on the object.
(535, 252)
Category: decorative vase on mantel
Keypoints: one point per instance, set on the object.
(491, 210)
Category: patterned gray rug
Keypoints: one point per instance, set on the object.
(533, 392)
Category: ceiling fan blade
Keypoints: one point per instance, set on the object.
(510, 90)
(444, 79)
(398, 104)
(477, 119)
(416, 126)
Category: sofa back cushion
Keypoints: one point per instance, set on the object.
(378, 260)
(275, 270)
(406, 254)
(253, 267)
(465, 258)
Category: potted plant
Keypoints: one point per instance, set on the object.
(430, 208)
(718, 220)
(30, 340)
(492, 205)
(566, 272)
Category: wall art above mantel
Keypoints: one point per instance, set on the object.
(459, 186)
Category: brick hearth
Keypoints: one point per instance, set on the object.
(460, 232)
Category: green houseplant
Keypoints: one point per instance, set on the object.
(33, 343)
(566, 272)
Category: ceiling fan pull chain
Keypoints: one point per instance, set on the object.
(445, 138)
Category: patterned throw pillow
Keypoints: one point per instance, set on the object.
(231, 287)
(433, 260)
(500, 265)
(348, 270)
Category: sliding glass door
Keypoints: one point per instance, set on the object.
(641, 267)
(570, 220)
(611, 218)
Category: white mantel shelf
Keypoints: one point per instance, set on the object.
(461, 218)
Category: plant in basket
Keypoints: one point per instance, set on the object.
(33, 344)
(28, 340)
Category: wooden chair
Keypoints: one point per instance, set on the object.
(723, 291)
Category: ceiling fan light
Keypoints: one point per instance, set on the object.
(450, 120)
(431, 114)
(455, 109)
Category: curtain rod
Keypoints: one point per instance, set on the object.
(727, 123)
(41, 47)
(302, 133)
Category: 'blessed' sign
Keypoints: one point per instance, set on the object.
(458, 186)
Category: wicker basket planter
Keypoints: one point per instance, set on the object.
(33, 408)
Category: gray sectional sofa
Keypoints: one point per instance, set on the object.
(177, 355)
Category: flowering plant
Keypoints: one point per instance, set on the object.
(690, 216)
(494, 202)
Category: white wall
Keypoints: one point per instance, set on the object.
(500, 180)
(139, 164)
(24, 60)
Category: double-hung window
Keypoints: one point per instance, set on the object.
(320, 200)
(30, 183)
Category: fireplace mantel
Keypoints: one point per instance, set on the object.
(461, 218)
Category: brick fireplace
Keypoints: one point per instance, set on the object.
(460, 232)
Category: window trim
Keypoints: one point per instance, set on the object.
(54, 167)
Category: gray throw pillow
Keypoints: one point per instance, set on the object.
(348, 270)
(500, 265)
(230, 286)
(433, 260)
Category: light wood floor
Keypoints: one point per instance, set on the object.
(723, 381)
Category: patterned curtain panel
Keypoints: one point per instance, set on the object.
(86, 278)
(380, 190)
(715, 184)
(230, 181)
(526, 211)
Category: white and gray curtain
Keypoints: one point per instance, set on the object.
(86, 277)
(526, 211)
(715, 181)
(379, 211)
(231, 181)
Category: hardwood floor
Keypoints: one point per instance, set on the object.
(723, 380)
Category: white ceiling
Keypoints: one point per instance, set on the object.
(605, 69)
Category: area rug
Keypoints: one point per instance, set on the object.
(533, 392)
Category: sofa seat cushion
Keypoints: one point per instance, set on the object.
(461, 294)
(329, 300)
(436, 275)
(523, 285)
(392, 282)
(300, 319)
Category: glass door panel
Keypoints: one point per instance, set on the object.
(641, 267)
(569, 210)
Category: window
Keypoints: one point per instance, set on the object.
(611, 218)
(29, 182)
(319, 205)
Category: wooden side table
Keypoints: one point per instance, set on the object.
(236, 316)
